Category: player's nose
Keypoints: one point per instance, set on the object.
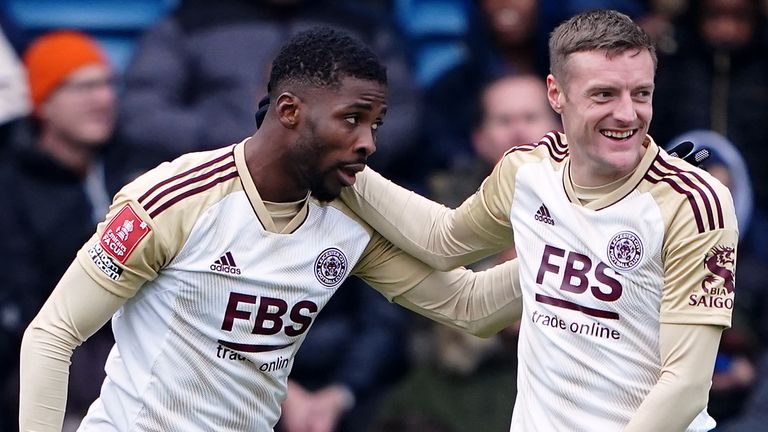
(624, 110)
(366, 143)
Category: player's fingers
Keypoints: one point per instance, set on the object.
(681, 150)
(698, 157)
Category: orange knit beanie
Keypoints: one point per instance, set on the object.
(52, 57)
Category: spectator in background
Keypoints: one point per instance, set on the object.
(501, 41)
(184, 87)
(56, 183)
(508, 111)
(717, 79)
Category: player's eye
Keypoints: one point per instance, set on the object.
(351, 120)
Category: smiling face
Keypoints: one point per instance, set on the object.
(337, 133)
(605, 105)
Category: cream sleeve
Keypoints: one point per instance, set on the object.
(76, 309)
(480, 303)
(441, 237)
(688, 354)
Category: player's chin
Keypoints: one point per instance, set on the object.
(327, 192)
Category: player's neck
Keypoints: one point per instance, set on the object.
(271, 172)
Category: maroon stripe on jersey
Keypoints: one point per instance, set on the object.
(720, 221)
(191, 192)
(687, 193)
(679, 173)
(187, 182)
(529, 147)
(562, 148)
(187, 172)
(252, 348)
(565, 304)
(557, 154)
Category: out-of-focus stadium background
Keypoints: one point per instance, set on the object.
(188, 76)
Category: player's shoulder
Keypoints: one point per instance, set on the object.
(692, 192)
(343, 212)
(189, 175)
(553, 147)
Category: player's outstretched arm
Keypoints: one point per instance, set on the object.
(442, 237)
(688, 353)
(480, 303)
(76, 309)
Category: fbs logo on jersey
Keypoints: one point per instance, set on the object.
(123, 233)
(225, 264)
(542, 215)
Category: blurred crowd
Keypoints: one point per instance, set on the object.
(89, 102)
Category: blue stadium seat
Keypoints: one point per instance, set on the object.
(436, 31)
(115, 23)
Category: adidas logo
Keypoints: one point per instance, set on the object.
(225, 264)
(542, 215)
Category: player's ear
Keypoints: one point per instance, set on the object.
(288, 109)
(555, 94)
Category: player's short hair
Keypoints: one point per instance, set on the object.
(596, 30)
(321, 57)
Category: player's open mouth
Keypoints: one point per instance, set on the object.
(347, 173)
(619, 135)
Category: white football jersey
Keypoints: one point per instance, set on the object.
(599, 278)
(219, 302)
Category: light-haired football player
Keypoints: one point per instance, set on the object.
(213, 267)
(626, 254)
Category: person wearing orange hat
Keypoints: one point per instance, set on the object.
(54, 185)
(73, 97)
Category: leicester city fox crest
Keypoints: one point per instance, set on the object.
(625, 250)
(331, 267)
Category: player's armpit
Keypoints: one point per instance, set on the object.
(481, 303)
(439, 236)
(76, 309)
(688, 354)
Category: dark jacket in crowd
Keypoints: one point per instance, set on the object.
(45, 217)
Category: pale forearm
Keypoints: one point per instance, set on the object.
(480, 303)
(688, 354)
(76, 309)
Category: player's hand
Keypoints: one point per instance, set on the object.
(684, 151)
(296, 409)
(328, 406)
